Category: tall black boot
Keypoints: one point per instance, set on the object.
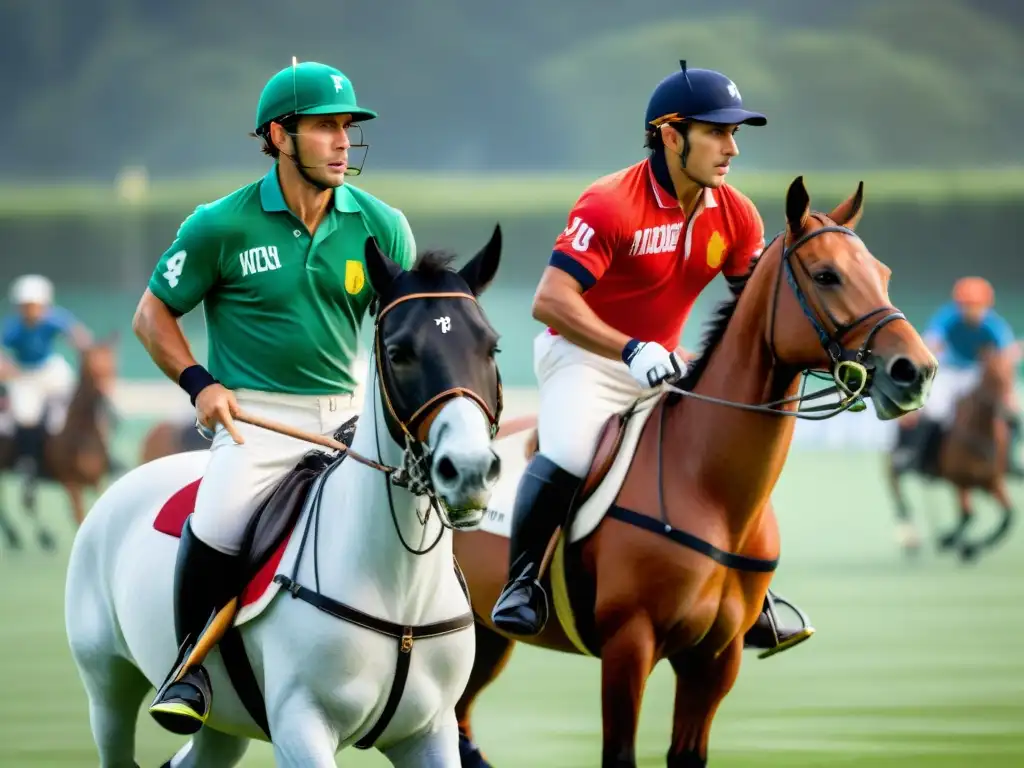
(205, 580)
(543, 498)
(29, 443)
(925, 444)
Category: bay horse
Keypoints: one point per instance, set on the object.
(699, 473)
(972, 454)
(362, 634)
(78, 456)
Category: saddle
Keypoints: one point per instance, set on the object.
(264, 542)
(608, 444)
(276, 516)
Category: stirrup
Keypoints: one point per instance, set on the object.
(797, 637)
(177, 717)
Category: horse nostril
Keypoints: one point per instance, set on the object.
(903, 372)
(446, 469)
(493, 469)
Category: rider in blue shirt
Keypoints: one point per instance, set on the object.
(30, 345)
(960, 333)
(39, 381)
(961, 337)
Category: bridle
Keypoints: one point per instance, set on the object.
(407, 424)
(849, 370)
(414, 474)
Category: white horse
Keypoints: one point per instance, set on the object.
(371, 545)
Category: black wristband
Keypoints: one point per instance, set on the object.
(194, 380)
(632, 347)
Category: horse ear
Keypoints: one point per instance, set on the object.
(848, 212)
(381, 270)
(798, 206)
(482, 268)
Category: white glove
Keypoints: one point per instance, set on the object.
(650, 363)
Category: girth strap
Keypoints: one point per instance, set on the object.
(405, 635)
(728, 559)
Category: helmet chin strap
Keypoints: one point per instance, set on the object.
(297, 162)
(659, 164)
(684, 155)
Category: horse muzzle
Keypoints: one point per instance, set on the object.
(899, 385)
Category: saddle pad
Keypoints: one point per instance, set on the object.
(171, 519)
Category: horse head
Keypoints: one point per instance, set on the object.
(998, 378)
(435, 369)
(836, 314)
(98, 364)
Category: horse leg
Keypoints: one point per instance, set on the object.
(77, 496)
(954, 537)
(906, 532)
(627, 658)
(970, 550)
(115, 689)
(29, 488)
(209, 747)
(10, 533)
(438, 748)
(701, 685)
(303, 735)
(492, 654)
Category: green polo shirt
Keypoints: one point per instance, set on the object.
(283, 307)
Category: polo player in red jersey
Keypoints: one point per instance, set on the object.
(639, 247)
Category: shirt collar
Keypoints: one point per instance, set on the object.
(665, 200)
(272, 199)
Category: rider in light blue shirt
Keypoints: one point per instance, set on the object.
(39, 381)
(960, 333)
(30, 345)
(961, 339)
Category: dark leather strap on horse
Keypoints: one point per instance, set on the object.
(728, 559)
(405, 635)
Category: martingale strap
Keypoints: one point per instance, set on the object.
(405, 635)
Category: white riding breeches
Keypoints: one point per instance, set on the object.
(49, 384)
(949, 386)
(239, 477)
(579, 390)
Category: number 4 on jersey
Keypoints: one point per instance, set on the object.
(174, 267)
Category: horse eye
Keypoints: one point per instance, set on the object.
(828, 278)
(400, 354)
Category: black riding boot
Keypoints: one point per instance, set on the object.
(205, 580)
(924, 442)
(29, 443)
(769, 635)
(543, 498)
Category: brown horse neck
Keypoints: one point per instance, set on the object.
(733, 456)
(81, 413)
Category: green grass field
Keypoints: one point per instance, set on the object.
(914, 664)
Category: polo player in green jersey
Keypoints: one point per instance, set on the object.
(278, 266)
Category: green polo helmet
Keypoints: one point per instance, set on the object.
(309, 88)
